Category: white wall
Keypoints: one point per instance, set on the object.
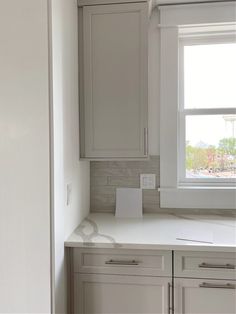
(67, 167)
(24, 158)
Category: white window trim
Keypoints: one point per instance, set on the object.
(173, 194)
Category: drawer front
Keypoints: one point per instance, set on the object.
(205, 265)
(126, 262)
(204, 296)
(110, 294)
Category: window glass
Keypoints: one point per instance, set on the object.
(210, 146)
(210, 76)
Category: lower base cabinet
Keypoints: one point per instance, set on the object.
(106, 294)
(121, 281)
(204, 296)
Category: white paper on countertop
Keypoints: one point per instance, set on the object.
(129, 203)
(195, 234)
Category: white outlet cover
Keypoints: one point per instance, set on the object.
(148, 181)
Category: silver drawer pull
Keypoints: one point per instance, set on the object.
(224, 266)
(127, 263)
(212, 285)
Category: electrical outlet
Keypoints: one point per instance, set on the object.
(148, 181)
(68, 193)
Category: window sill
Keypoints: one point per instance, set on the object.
(213, 197)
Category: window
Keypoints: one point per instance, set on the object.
(198, 105)
(207, 103)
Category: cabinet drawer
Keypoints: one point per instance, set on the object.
(205, 265)
(110, 294)
(126, 262)
(204, 296)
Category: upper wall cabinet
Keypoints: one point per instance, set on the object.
(113, 80)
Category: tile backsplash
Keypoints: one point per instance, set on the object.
(106, 176)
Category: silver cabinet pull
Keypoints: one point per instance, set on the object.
(126, 263)
(170, 308)
(145, 141)
(219, 286)
(222, 266)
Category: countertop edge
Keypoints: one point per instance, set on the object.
(165, 247)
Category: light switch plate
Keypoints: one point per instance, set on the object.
(148, 181)
(68, 193)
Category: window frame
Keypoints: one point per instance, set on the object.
(191, 39)
(172, 193)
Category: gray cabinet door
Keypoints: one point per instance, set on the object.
(205, 296)
(108, 294)
(115, 100)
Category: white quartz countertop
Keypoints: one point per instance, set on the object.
(157, 231)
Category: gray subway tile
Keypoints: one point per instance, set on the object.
(106, 176)
(151, 196)
(97, 181)
(124, 181)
